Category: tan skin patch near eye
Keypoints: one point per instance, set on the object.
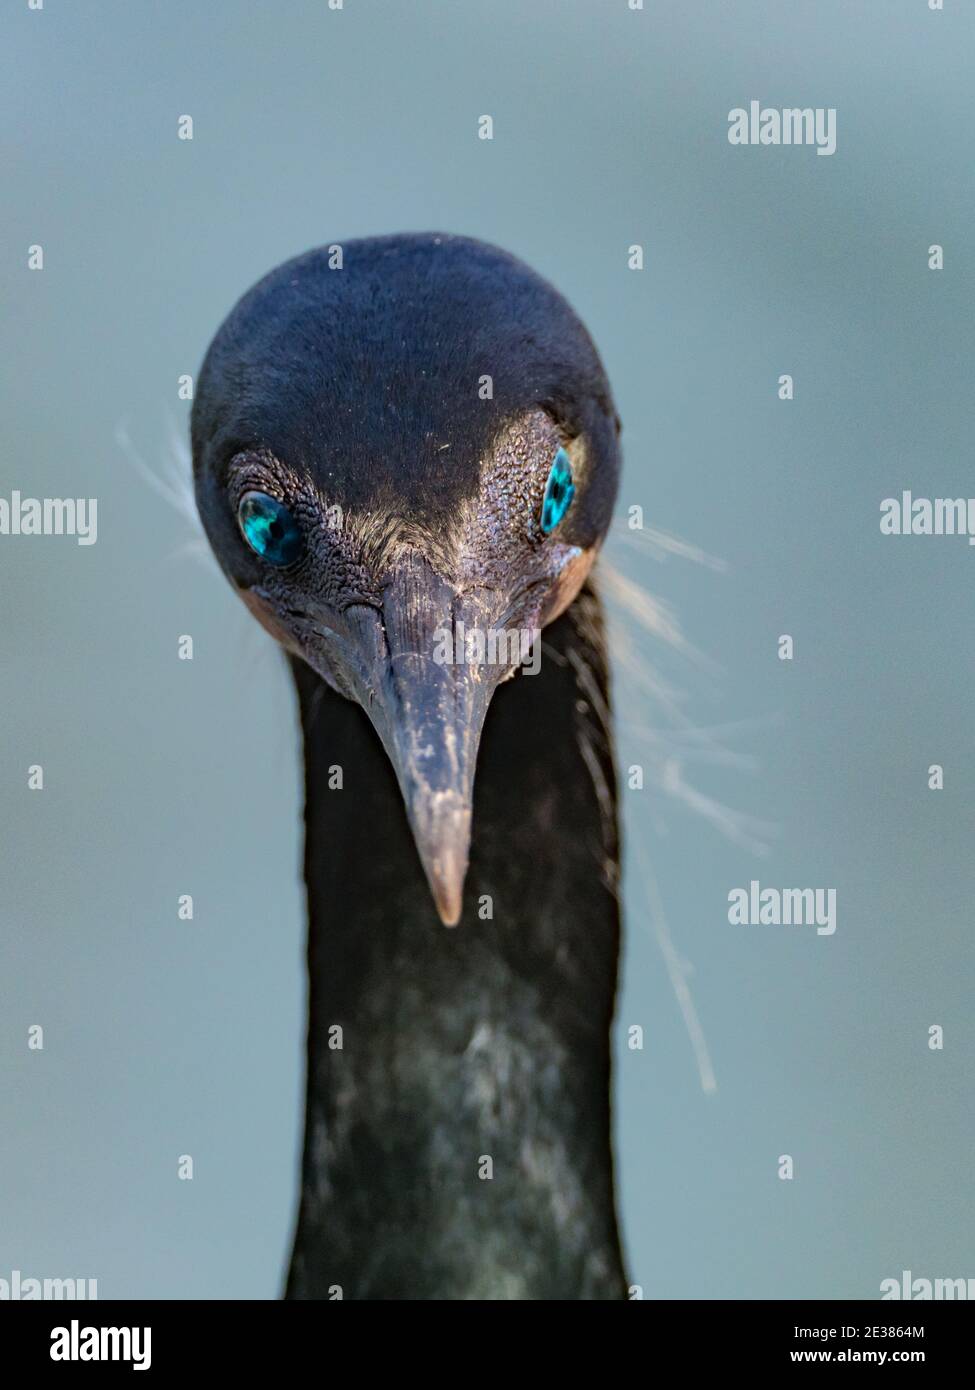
(569, 582)
(268, 620)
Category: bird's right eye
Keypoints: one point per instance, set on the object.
(269, 529)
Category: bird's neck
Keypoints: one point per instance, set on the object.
(457, 1140)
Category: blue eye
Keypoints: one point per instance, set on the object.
(559, 492)
(269, 529)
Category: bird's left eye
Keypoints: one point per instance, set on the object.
(269, 529)
(559, 492)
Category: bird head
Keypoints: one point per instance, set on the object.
(405, 458)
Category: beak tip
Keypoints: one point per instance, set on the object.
(442, 833)
(446, 877)
(449, 912)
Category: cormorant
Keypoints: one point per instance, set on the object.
(414, 440)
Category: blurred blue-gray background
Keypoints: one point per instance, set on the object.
(164, 777)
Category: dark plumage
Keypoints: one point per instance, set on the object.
(356, 397)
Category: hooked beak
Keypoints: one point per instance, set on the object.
(428, 708)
